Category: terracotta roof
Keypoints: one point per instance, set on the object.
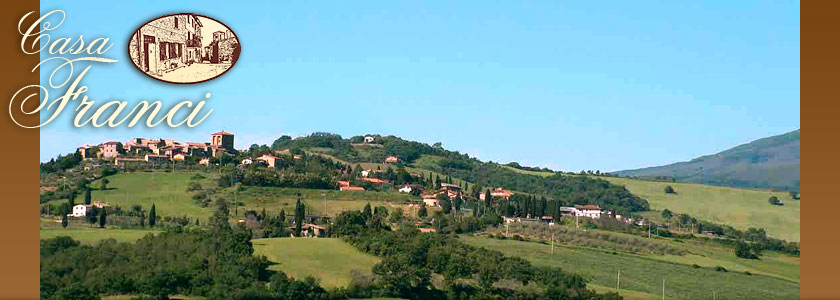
(374, 180)
(222, 133)
(352, 188)
(588, 206)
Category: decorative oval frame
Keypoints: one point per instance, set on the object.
(135, 42)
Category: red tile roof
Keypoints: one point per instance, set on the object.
(222, 133)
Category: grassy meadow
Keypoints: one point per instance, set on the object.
(737, 207)
(168, 191)
(643, 274)
(329, 260)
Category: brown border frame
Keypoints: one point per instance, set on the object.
(128, 48)
(820, 36)
(19, 179)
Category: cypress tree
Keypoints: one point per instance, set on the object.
(152, 216)
(87, 196)
(299, 211)
(64, 221)
(102, 218)
(487, 197)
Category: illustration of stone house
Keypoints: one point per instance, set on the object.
(167, 43)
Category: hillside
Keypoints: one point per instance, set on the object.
(771, 162)
(737, 207)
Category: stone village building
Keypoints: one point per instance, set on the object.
(166, 43)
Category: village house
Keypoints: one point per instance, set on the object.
(586, 211)
(498, 192)
(391, 160)
(247, 161)
(166, 43)
(221, 49)
(427, 230)
(451, 190)
(351, 188)
(204, 162)
(368, 139)
(80, 210)
(179, 156)
(431, 200)
(110, 149)
(312, 230)
(589, 211)
(375, 180)
(408, 188)
(268, 159)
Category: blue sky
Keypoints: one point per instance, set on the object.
(579, 85)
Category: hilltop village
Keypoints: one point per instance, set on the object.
(160, 152)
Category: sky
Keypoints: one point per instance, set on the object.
(578, 85)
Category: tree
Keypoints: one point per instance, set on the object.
(743, 250)
(300, 210)
(667, 214)
(488, 197)
(71, 202)
(142, 216)
(104, 184)
(367, 211)
(102, 218)
(75, 291)
(775, 201)
(87, 195)
(64, 221)
(670, 190)
(152, 216)
(423, 212)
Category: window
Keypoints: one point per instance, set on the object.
(162, 51)
(176, 21)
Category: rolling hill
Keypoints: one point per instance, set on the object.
(771, 162)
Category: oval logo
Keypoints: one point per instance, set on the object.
(184, 48)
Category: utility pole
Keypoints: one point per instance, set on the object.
(552, 243)
(618, 281)
(648, 229)
(663, 288)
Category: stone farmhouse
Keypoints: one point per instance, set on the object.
(167, 43)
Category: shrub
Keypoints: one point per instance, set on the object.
(720, 269)
(670, 190)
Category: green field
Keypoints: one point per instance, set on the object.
(645, 273)
(737, 207)
(276, 199)
(168, 191)
(89, 236)
(329, 260)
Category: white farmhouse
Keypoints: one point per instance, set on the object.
(79, 210)
(405, 189)
(368, 139)
(588, 211)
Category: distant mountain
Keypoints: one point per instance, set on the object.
(771, 162)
